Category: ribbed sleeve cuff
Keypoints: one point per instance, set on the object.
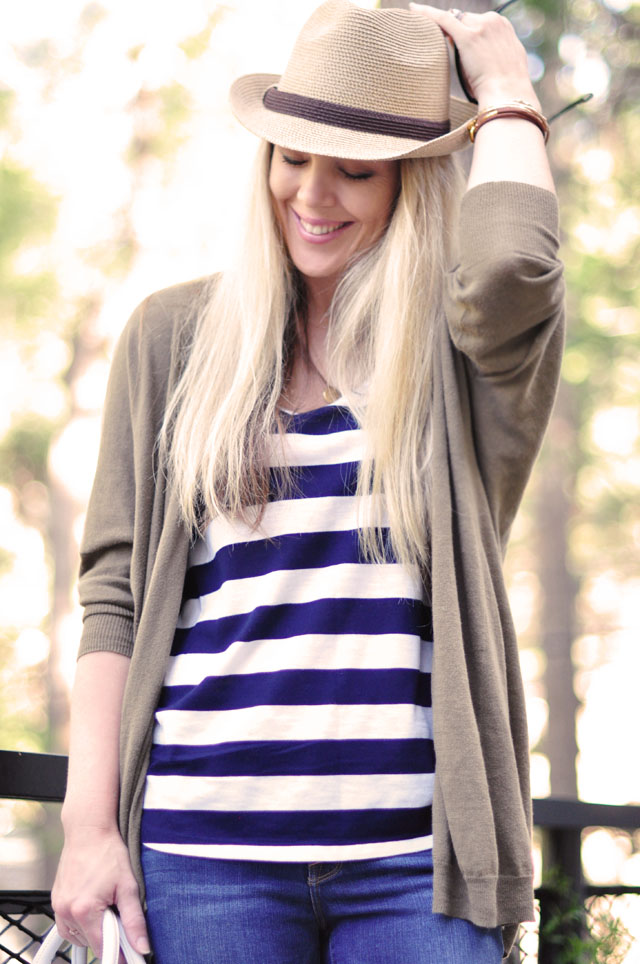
(106, 631)
(486, 901)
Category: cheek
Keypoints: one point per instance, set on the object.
(275, 189)
(281, 181)
(277, 179)
(278, 216)
(388, 203)
(273, 185)
(378, 216)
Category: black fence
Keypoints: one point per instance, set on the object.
(561, 822)
(26, 915)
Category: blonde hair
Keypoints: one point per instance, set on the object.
(380, 357)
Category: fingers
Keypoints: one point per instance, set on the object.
(457, 23)
(492, 59)
(132, 917)
(68, 932)
(436, 13)
(95, 873)
(445, 19)
(79, 907)
(80, 923)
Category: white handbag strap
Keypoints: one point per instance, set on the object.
(78, 955)
(52, 944)
(114, 940)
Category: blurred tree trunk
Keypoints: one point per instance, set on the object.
(554, 506)
(61, 538)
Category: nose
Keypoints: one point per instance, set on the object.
(317, 184)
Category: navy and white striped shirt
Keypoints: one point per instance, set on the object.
(295, 719)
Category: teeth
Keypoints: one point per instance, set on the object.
(320, 228)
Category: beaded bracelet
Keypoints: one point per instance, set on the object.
(515, 108)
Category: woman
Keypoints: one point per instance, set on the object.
(344, 423)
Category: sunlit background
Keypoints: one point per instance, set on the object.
(122, 171)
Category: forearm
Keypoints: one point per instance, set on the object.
(96, 704)
(509, 148)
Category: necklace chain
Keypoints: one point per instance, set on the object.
(330, 393)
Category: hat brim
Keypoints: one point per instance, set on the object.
(313, 137)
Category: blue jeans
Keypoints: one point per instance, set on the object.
(209, 911)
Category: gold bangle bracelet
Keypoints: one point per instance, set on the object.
(515, 108)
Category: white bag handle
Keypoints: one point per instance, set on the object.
(114, 940)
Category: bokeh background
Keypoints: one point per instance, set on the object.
(122, 171)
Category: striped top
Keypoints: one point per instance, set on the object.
(295, 718)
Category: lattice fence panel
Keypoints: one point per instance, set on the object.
(24, 920)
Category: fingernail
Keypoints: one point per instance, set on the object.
(142, 945)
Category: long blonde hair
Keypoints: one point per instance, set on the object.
(381, 327)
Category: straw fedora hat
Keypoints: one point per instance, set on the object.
(360, 84)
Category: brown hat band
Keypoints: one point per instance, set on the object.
(353, 118)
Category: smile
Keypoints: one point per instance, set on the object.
(325, 230)
(321, 228)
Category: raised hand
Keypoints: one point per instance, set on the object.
(493, 59)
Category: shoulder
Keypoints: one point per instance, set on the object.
(158, 336)
(155, 343)
(165, 320)
(175, 300)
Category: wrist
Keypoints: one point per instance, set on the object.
(79, 821)
(514, 110)
(91, 835)
(496, 94)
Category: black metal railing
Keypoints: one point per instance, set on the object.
(562, 822)
(26, 915)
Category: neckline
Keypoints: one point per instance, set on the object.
(338, 403)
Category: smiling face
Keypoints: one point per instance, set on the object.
(330, 209)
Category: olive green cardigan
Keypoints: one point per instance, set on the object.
(497, 360)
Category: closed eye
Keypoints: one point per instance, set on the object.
(357, 177)
(299, 161)
(294, 161)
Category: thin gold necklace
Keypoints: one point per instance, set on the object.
(330, 393)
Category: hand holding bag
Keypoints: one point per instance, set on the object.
(114, 940)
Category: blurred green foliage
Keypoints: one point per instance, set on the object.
(7, 97)
(161, 127)
(24, 450)
(27, 217)
(598, 937)
(198, 44)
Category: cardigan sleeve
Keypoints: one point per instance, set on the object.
(504, 306)
(128, 491)
(107, 543)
